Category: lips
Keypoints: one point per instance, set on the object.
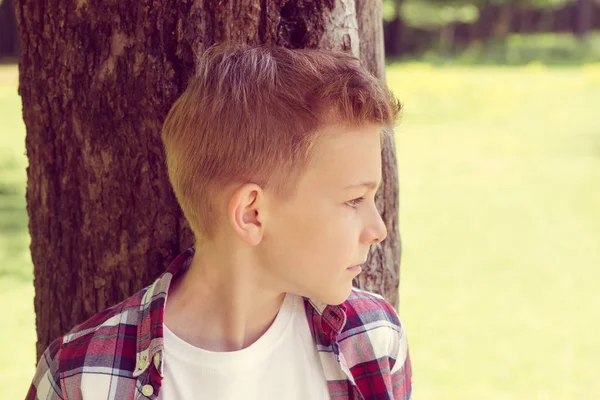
(355, 269)
(358, 265)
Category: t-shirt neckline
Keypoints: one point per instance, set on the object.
(177, 347)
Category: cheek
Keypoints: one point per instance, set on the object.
(335, 237)
(320, 236)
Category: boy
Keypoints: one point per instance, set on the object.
(275, 157)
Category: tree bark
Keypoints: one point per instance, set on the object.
(382, 272)
(96, 80)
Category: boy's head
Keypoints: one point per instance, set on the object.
(265, 145)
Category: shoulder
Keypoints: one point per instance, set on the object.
(124, 315)
(372, 323)
(369, 310)
(99, 336)
(375, 347)
(46, 381)
(92, 345)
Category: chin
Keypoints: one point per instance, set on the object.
(337, 297)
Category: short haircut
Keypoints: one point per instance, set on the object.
(252, 114)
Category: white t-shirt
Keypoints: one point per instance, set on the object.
(282, 364)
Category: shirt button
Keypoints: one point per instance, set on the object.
(147, 390)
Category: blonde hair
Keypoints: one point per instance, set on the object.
(251, 114)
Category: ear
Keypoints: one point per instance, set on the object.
(245, 212)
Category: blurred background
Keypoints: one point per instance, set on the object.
(499, 163)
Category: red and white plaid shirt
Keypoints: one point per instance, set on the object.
(118, 353)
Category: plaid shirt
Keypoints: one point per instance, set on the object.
(118, 353)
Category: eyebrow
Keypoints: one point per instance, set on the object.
(370, 184)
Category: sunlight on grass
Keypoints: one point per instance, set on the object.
(17, 330)
(500, 218)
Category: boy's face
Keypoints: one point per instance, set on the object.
(311, 240)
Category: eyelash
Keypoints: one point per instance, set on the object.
(355, 202)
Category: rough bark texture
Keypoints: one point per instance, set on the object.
(97, 79)
(382, 273)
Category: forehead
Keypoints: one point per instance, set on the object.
(344, 154)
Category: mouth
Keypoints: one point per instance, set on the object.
(355, 268)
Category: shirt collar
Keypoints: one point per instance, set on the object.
(149, 342)
(150, 325)
(333, 316)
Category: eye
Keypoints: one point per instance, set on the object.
(354, 203)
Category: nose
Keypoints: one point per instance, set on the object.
(380, 230)
(376, 230)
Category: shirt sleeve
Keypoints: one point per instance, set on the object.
(401, 373)
(46, 381)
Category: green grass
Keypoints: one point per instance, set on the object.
(500, 217)
(17, 330)
(518, 50)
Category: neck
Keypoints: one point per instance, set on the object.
(222, 303)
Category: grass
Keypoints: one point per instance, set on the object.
(17, 330)
(518, 50)
(500, 217)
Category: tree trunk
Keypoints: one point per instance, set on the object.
(546, 23)
(583, 17)
(9, 44)
(502, 27)
(563, 18)
(393, 30)
(96, 80)
(446, 38)
(485, 25)
(382, 274)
